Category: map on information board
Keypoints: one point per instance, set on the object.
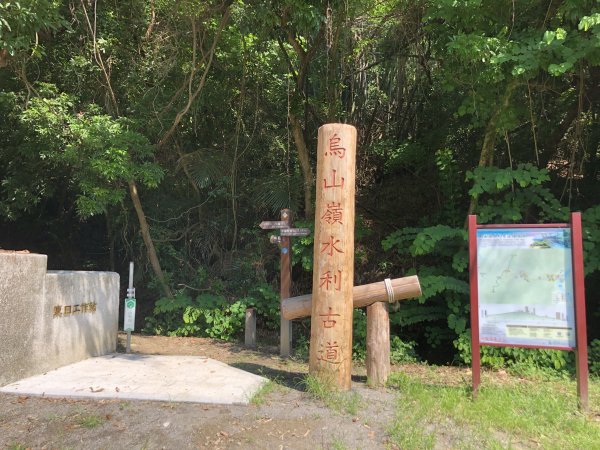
(525, 287)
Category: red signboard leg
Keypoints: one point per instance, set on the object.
(475, 347)
(285, 337)
(578, 297)
(581, 356)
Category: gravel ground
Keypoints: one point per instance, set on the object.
(282, 415)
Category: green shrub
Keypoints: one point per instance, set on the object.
(402, 351)
(359, 335)
(522, 361)
(266, 301)
(594, 357)
(301, 347)
(213, 315)
(167, 315)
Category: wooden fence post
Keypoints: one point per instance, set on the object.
(378, 344)
(250, 328)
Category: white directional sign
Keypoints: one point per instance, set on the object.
(294, 232)
(274, 224)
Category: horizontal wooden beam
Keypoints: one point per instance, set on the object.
(365, 295)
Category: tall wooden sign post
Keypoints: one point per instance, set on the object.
(285, 336)
(333, 264)
(286, 232)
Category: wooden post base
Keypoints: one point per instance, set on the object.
(378, 344)
(250, 331)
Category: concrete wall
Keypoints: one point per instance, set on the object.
(22, 278)
(51, 319)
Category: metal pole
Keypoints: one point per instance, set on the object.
(474, 291)
(285, 287)
(130, 295)
(130, 275)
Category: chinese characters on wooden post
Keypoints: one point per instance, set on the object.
(333, 276)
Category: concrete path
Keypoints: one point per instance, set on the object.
(145, 377)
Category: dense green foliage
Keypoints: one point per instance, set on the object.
(164, 131)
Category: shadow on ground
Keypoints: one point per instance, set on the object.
(292, 380)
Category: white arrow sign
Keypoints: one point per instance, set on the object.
(294, 232)
(274, 224)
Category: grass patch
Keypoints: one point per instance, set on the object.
(516, 413)
(260, 397)
(338, 444)
(319, 387)
(91, 421)
(16, 446)
(409, 434)
(325, 390)
(53, 417)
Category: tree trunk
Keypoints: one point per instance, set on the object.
(110, 237)
(4, 57)
(307, 172)
(304, 58)
(207, 60)
(145, 230)
(486, 158)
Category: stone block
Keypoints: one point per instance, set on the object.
(22, 278)
(51, 319)
(81, 316)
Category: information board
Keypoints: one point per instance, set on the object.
(527, 290)
(525, 283)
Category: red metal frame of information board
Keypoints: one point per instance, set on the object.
(579, 303)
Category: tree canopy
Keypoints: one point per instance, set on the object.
(164, 131)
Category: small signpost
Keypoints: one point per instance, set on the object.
(129, 314)
(527, 290)
(129, 318)
(285, 232)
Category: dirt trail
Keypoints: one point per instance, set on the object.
(284, 416)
